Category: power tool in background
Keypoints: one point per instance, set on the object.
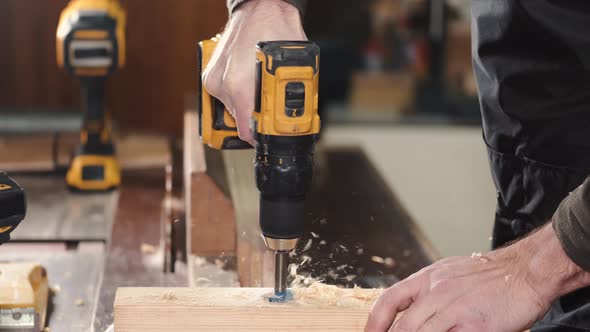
(285, 125)
(24, 293)
(91, 46)
(23, 286)
(13, 206)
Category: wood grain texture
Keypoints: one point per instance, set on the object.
(241, 309)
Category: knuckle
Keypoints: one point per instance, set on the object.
(403, 326)
(211, 81)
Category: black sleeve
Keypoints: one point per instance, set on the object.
(299, 4)
(571, 223)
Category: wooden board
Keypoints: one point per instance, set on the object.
(210, 226)
(320, 308)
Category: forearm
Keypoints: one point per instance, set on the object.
(301, 5)
(548, 268)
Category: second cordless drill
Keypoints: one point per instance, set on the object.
(91, 46)
(285, 125)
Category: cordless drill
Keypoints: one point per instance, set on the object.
(91, 46)
(285, 125)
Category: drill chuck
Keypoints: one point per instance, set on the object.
(283, 168)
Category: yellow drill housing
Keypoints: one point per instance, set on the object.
(90, 38)
(287, 81)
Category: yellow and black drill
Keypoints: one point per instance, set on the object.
(91, 46)
(285, 125)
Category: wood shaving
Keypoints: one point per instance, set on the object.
(359, 251)
(323, 221)
(202, 280)
(365, 294)
(219, 263)
(199, 261)
(323, 242)
(293, 270)
(147, 248)
(306, 259)
(341, 267)
(168, 296)
(55, 289)
(378, 259)
(315, 235)
(343, 248)
(307, 246)
(389, 262)
(478, 255)
(350, 277)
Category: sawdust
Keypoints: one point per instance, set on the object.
(330, 295)
(168, 296)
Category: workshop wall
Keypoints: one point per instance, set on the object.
(148, 94)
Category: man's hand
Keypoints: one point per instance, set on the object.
(229, 76)
(505, 290)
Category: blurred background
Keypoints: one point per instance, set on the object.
(401, 174)
(383, 61)
(396, 80)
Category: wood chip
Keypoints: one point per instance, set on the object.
(378, 259)
(147, 248)
(307, 246)
(168, 296)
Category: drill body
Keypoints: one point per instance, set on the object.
(91, 46)
(285, 125)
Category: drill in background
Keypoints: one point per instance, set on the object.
(285, 125)
(91, 46)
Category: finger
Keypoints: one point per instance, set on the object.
(395, 299)
(416, 315)
(242, 117)
(445, 320)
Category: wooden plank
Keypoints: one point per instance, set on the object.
(209, 212)
(318, 308)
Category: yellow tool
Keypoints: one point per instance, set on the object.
(91, 46)
(285, 125)
(24, 291)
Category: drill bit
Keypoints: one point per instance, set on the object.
(281, 264)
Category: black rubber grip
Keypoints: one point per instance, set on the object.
(282, 219)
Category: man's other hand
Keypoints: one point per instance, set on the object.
(229, 76)
(504, 290)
